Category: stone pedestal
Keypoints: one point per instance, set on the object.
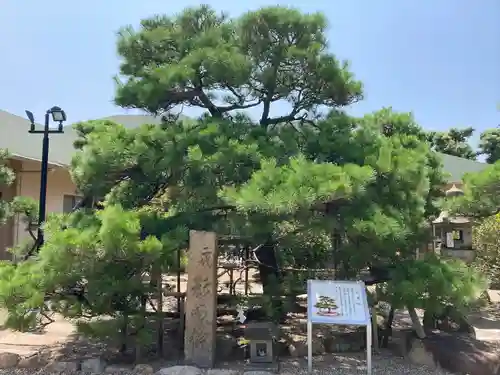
(201, 299)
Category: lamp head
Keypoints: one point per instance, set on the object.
(31, 118)
(58, 115)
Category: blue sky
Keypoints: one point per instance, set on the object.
(439, 59)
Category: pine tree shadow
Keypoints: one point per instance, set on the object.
(118, 349)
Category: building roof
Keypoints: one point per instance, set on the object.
(458, 167)
(14, 136)
(133, 121)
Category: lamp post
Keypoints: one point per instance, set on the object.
(58, 115)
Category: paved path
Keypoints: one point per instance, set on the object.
(62, 331)
(487, 321)
(26, 344)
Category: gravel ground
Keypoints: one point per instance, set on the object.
(383, 364)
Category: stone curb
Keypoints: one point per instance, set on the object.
(41, 360)
(97, 365)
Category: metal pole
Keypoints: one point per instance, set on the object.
(369, 349)
(179, 281)
(247, 256)
(375, 329)
(43, 181)
(309, 345)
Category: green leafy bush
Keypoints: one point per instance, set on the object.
(486, 242)
(433, 284)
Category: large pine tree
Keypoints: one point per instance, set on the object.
(274, 158)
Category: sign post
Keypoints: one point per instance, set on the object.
(338, 302)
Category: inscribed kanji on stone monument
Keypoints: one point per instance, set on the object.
(201, 299)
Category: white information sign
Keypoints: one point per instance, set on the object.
(338, 302)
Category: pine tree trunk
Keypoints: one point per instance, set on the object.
(159, 313)
(419, 329)
(429, 321)
(270, 276)
(124, 333)
(269, 273)
(138, 343)
(388, 329)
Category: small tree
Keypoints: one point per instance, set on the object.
(94, 267)
(486, 241)
(434, 285)
(6, 179)
(27, 209)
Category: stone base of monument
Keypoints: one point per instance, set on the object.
(458, 354)
(269, 367)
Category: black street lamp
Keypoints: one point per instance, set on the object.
(58, 115)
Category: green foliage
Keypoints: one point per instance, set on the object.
(6, 178)
(298, 185)
(264, 56)
(453, 142)
(481, 196)
(22, 293)
(489, 145)
(432, 284)
(486, 242)
(27, 207)
(104, 253)
(390, 214)
(392, 123)
(120, 331)
(325, 188)
(27, 210)
(101, 254)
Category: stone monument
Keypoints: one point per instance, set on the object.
(201, 299)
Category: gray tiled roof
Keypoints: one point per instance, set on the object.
(14, 136)
(457, 167)
(132, 121)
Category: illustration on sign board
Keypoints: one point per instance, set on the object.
(326, 306)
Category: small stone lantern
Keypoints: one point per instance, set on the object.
(260, 336)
